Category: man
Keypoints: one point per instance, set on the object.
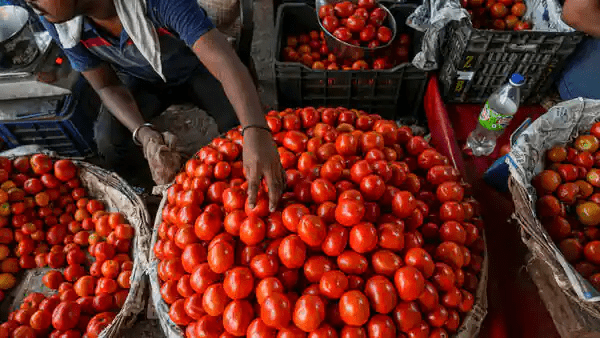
(581, 76)
(136, 53)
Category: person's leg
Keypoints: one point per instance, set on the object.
(581, 75)
(207, 93)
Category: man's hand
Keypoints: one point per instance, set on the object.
(261, 159)
(159, 150)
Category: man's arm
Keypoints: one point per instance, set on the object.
(217, 55)
(260, 155)
(583, 15)
(117, 98)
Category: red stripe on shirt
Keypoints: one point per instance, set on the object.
(163, 31)
(95, 42)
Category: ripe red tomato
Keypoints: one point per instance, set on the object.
(66, 315)
(309, 312)
(356, 23)
(344, 9)
(343, 34)
(409, 283)
(98, 323)
(237, 317)
(276, 311)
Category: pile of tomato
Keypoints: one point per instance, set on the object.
(568, 202)
(497, 14)
(48, 220)
(373, 236)
(312, 51)
(360, 24)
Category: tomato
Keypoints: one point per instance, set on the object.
(344, 9)
(354, 308)
(363, 237)
(453, 231)
(220, 257)
(98, 323)
(193, 255)
(292, 252)
(312, 230)
(385, 262)
(214, 300)
(264, 265)
(349, 212)
(275, 226)
(444, 277)
(65, 170)
(409, 282)
(588, 213)
(403, 204)
(356, 23)
(52, 279)
(276, 311)
(343, 34)
(335, 241)
(450, 253)
(420, 259)
(352, 262)
(295, 141)
(292, 214)
(238, 283)
(252, 230)
(322, 190)
(237, 317)
(66, 315)
(309, 312)
(591, 251)
(85, 286)
(452, 211)
(208, 224)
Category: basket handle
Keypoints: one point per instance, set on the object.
(523, 48)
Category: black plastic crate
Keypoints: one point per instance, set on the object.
(478, 61)
(392, 93)
(69, 133)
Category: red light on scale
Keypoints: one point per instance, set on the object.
(58, 61)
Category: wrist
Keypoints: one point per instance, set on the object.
(252, 128)
(142, 133)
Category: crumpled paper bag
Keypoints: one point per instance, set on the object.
(163, 158)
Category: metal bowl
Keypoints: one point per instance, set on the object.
(345, 50)
(17, 43)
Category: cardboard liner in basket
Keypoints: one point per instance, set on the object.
(117, 195)
(560, 126)
(469, 328)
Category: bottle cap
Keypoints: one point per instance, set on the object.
(517, 80)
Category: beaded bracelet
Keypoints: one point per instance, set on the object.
(137, 130)
(256, 126)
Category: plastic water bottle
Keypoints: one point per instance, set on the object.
(495, 116)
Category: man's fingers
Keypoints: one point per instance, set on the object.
(253, 186)
(275, 183)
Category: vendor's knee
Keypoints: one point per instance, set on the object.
(112, 139)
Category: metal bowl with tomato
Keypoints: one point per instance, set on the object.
(343, 49)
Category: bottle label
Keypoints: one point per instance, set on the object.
(492, 120)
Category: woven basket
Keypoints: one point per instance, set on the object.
(117, 195)
(572, 302)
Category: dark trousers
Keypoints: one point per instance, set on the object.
(115, 145)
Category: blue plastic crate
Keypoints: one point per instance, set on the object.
(69, 133)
